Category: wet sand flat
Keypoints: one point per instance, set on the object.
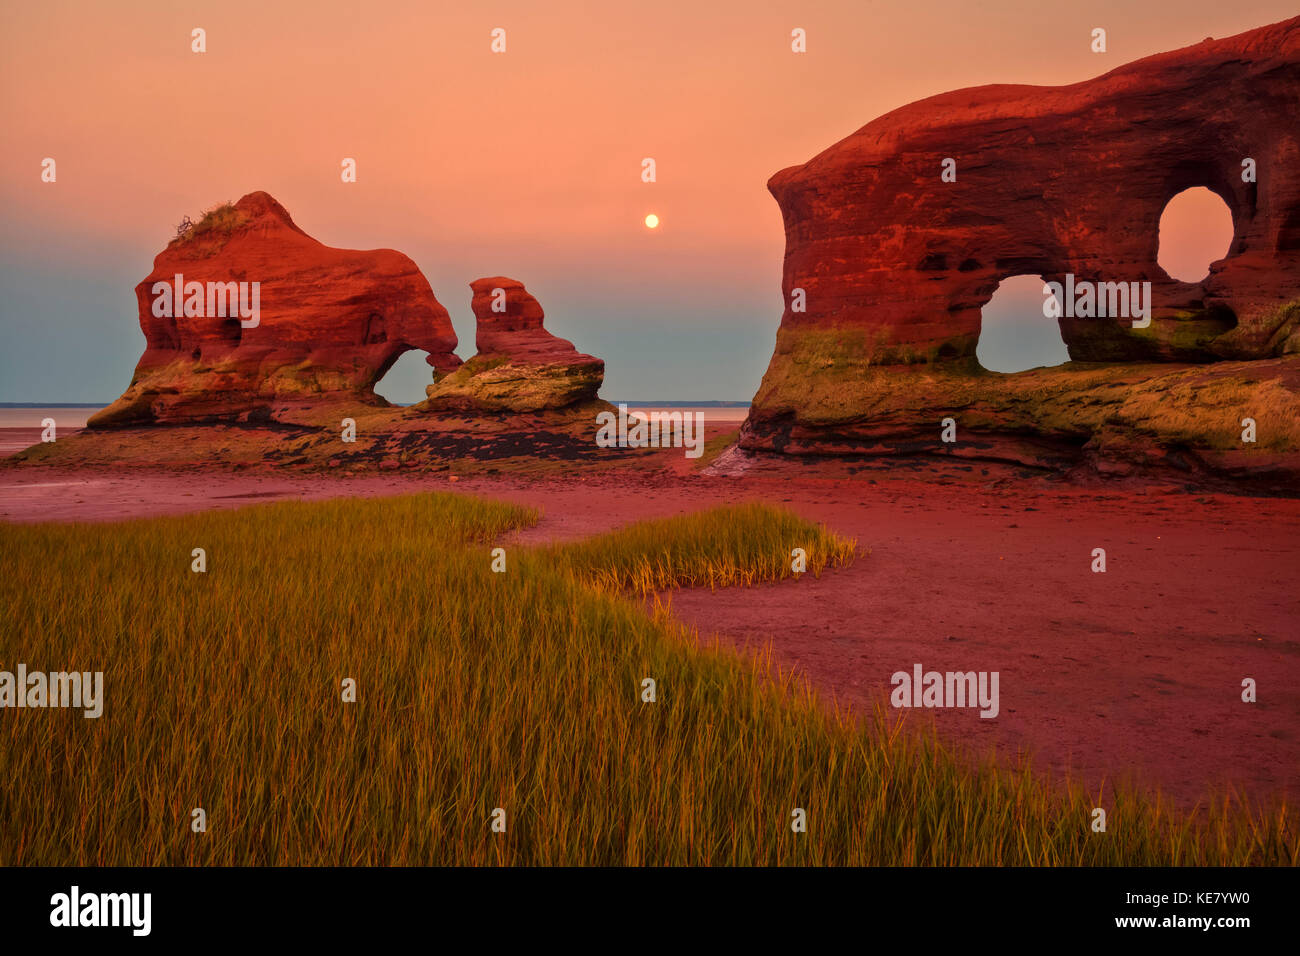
(1132, 673)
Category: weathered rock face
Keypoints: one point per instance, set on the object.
(895, 264)
(520, 367)
(331, 322)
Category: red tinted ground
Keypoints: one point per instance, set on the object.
(1135, 672)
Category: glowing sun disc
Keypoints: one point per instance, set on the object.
(651, 221)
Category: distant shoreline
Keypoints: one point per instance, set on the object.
(669, 403)
(629, 404)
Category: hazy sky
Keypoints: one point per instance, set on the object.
(525, 164)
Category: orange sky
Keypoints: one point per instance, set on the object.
(524, 164)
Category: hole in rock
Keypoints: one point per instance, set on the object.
(230, 331)
(1195, 230)
(376, 329)
(1014, 333)
(406, 379)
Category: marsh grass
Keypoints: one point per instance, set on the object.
(478, 690)
(735, 545)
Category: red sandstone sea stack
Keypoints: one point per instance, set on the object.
(1056, 180)
(519, 366)
(887, 265)
(331, 322)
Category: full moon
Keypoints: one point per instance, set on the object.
(651, 221)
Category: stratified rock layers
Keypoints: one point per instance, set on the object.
(895, 264)
(331, 323)
(520, 367)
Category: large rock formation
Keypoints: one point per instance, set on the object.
(520, 367)
(331, 322)
(895, 264)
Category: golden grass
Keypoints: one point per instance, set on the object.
(478, 690)
(737, 545)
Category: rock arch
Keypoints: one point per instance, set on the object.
(896, 261)
(332, 322)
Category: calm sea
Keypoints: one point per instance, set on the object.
(30, 416)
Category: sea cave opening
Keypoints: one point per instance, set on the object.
(405, 380)
(1195, 231)
(1015, 334)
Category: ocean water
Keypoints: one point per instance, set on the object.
(31, 416)
(713, 414)
(20, 427)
